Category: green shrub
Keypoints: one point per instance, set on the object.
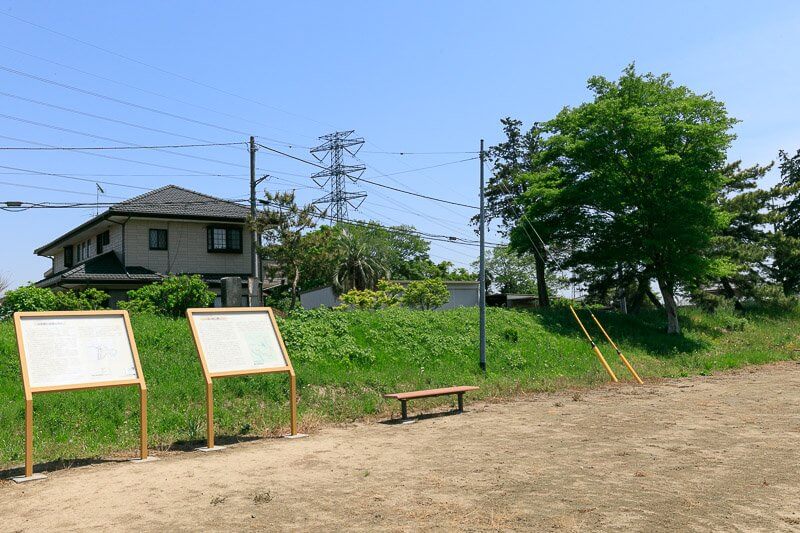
(90, 299)
(426, 294)
(771, 298)
(388, 294)
(171, 297)
(28, 298)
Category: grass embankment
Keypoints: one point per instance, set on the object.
(345, 361)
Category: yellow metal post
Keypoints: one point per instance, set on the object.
(624, 359)
(594, 347)
(28, 437)
(293, 403)
(143, 423)
(210, 414)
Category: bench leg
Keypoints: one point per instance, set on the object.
(403, 410)
(460, 402)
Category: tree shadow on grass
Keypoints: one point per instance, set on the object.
(644, 330)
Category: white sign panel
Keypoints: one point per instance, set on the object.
(238, 341)
(74, 350)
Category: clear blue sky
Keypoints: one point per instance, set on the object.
(407, 76)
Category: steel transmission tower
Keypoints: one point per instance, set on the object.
(333, 147)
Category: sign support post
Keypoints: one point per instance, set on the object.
(239, 341)
(120, 367)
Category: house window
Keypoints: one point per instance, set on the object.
(104, 239)
(158, 239)
(224, 239)
(69, 260)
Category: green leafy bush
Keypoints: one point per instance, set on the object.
(770, 298)
(90, 299)
(426, 294)
(171, 297)
(388, 294)
(31, 298)
(28, 298)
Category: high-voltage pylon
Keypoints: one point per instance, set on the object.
(334, 146)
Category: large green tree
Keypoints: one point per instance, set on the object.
(743, 242)
(520, 196)
(282, 224)
(636, 174)
(785, 217)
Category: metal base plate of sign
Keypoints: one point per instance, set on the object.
(212, 449)
(296, 436)
(148, 459)
(25, 479)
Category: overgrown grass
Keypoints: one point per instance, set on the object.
(345, 361)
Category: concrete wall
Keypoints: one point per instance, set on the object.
(462, 294)
(187, 249)
(324, 296)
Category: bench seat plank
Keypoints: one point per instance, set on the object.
(430, 393)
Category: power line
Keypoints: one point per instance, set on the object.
(418, 153)
(361, 223)
(110, 139)
(134, 147)
(162, 70)
(160, 95)
(75, 178)
(102, 117)
(365, 180)
(53, 189)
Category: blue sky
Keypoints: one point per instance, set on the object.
(407, 76)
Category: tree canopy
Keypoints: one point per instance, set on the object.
(627, 184)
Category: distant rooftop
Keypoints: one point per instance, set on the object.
(177, 201)
(169, 201)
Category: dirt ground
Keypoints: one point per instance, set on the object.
(719, 453)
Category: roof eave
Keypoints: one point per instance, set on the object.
(74, 231)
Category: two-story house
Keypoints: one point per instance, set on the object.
(170, 230)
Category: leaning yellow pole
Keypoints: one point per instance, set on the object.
(619, 353)
(594, 347)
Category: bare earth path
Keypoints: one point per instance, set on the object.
(709, 453)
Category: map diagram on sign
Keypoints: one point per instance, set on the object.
(238, 341)
(70, 350)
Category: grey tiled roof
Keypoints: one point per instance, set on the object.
(105, 267)
(172, 200)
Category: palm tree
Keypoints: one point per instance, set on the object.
(360, 267)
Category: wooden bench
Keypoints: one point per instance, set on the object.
(405, 396)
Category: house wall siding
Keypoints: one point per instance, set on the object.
(187, 249)
(115, 243)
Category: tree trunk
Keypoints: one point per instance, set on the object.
(295, 281)
(638, 297)
(730, 293)
(541, 282)
(652, 297)
(673, 326)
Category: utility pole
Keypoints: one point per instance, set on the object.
(255, 268)
(482, 273)
(337, 173)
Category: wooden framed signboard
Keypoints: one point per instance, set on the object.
(75, 350)
(239, 341)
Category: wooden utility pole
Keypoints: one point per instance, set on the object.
(482, 273)
(255, 268)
